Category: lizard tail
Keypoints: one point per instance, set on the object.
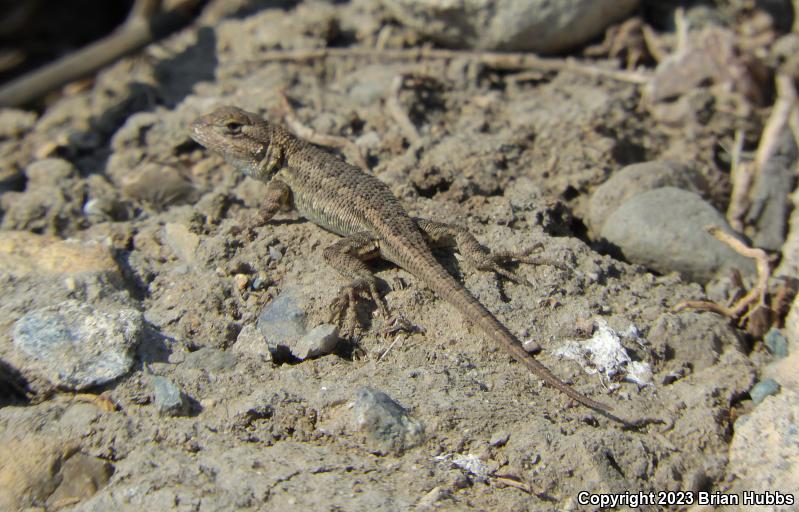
(448, 288)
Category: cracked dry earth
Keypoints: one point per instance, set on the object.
(514, 161)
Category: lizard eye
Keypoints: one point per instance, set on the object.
(233, 127)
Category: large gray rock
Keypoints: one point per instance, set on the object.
(665, 230)
(636, 179)
(540, 26)
(75, 345)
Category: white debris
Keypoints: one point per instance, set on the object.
(470, 463)
(603, 353)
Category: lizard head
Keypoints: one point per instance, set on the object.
(241, 137)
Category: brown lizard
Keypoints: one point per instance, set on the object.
(347, 201)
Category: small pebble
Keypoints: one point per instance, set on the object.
(531, 346)
(169, 399)
(763, 389)
(776, 343)
(274, 253)
(499, 438)
(241, 281)
(321, 340)
(259, 283)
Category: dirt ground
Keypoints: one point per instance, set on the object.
(514, 155)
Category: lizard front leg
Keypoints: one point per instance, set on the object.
(347, 256)
(439, 234)
(277, 196)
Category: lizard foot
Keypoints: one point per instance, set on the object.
(342, 309)
(494, 262)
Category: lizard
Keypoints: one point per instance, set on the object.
(342, 198)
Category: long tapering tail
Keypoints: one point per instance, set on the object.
(432, 273)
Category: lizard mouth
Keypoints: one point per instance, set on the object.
(197, 131)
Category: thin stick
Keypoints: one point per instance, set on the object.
(785, 102)
(741, 175)
(145, 24)
(495, 60)
(309, 134)
(398, 113)
(737, 311)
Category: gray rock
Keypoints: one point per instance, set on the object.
(321, 340)
(283, 323)
(636, 179)
(283, 320)
(250, 341)
(388, 428)
(540, 26)
(76, 345)
(210, 359)
(169, 399)
(776, 343)
(664, 229)
(764, 388)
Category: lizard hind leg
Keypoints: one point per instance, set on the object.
(347, 256)
(439, 234)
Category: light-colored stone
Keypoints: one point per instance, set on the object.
(540, 26)
(23, 253)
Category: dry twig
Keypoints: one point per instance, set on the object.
(745, 175)
(495, 60)
(741, 175)
(754, 302)
(333, 141)
(145, 23)
(398, 113)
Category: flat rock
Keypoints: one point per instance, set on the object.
(538, 25)
(23, 253)
(387, 426)
(665, 230)
(75, 345)
(636, 179)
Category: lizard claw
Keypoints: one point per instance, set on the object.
(343, 307)
(493, 261)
